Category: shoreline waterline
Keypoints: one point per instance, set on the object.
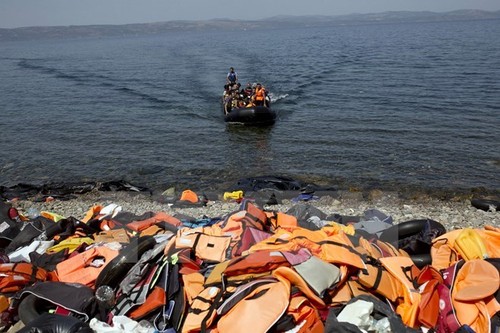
(453, 212)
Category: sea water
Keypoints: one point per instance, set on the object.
(412, 105)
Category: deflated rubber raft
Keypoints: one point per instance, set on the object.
(295, 271)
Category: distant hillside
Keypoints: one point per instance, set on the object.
(29, 33)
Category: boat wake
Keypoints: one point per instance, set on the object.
(277, 97)
(87, 78)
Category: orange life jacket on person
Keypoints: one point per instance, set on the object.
(260, 94)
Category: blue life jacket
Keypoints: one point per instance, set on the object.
(232, 77)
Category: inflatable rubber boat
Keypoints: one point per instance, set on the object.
(255, 115)
(238, 108)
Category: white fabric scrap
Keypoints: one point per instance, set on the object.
(358, 314)
(109, 211)
(121, 324)
(23, 254)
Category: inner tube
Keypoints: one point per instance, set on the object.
(115, 270)
(485, 204)
(413, 237)
(421, 260)
(32, 307)
(409, 228)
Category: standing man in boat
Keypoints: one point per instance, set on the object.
(232, 77)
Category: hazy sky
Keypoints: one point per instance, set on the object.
(21, 13)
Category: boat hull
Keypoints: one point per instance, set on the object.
(256, 116)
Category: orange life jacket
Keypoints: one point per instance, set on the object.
(156, 299)
(4, 303)
(255, 263)
(160, 217)
(284, 220)
(305, 315)
(335, 248)
(378, 280)
(188, 195)
(378, 249)
(428, 310)
(193, 285)
(338, 249)
(16, 276)
(201, 312)
(290, 276)
(247, 267)
(400, 268)
(92, 213)
(447, 249)
(472, 294)
(115, 235)
(259, 94)
(79, 268)
(236, 224)
(208, 243)
(346, 291)
(253, 312)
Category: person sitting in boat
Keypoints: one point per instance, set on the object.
(250, 104)
(259, 96)
(247, 91)
(232, 77)
(235, 99)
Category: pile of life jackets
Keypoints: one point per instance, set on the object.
(251, 270)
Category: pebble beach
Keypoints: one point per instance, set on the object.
(453, 213)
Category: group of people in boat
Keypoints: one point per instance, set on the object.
(236, 96)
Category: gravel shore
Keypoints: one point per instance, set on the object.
(453, 213)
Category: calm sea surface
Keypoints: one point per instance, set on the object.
(389, 106)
